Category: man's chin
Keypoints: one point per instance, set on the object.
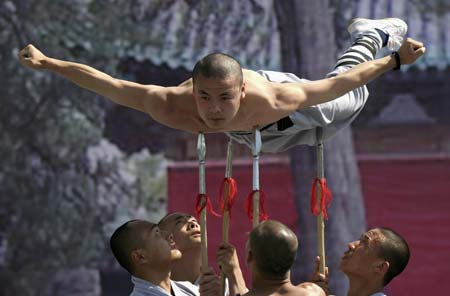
(175, 254)
(216, 123)
(342, 265)
(197, 240)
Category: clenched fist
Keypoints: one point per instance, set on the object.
(410, 51)
(32, 57)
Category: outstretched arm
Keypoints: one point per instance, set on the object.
(299, 95)
(151, 99)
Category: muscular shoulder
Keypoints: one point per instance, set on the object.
(268, 101)
(255, 82)
(186, 83)
(177, 108)
(311, 289)
(258, 88)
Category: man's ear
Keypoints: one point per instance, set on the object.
(243, 90)
(138, 257)
(382, 267)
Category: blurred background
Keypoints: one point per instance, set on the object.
(74, 166)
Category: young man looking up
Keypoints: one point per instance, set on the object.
(371, 262)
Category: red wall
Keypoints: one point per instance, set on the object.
(275, 182)
(408, 195)
(412, 197)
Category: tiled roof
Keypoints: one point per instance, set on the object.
(184, 31)
(428, 21)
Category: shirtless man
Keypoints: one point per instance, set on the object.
(186, 234)
(271, 250)
(372, 261)
(221, 97)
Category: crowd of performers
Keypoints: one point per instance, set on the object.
(270, 112)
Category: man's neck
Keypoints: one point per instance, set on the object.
(188, 267)
(363, 287)
(264, 286)
(157, 276)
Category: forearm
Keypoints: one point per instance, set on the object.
(236, 282)
(360, 75)
(98, 82)
(321, 91)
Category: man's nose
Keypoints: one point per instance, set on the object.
(352, 245)
(215, 108)
(193, 225)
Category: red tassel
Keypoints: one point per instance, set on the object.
(326, 198)
(314, 209)
(249, 205)
(199, 207)
(232, 190)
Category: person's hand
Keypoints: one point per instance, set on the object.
(209, 284)
(320, 279)
(31, 57)
(228, 262)
(227, 258)
(410, 51)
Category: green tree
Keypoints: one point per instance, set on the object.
(63, 187)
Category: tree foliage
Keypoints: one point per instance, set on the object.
(63, 187)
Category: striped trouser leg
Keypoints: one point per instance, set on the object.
(343, 110)
(363, 49)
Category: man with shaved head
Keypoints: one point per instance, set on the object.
(186, 234)
(373, 260)
(147, 253)
(271, 250)
(223, 97)
(218, 66)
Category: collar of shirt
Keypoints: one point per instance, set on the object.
(144, 287)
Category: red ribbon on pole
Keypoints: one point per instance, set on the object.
(326, 197)
(249, 205)
(231, 183)
(207, 204)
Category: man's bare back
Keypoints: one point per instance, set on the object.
(287, 289)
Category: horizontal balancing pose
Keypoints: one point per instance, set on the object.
(223, 97)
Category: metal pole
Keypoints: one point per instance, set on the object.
(256, 149)
(226, 212)
(320, 221)
(201, 149)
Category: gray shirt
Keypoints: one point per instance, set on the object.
(145, 288)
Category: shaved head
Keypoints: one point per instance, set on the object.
(220, 66)
(394, 249)
(127, 238)
(172, 217)
(274, 248)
